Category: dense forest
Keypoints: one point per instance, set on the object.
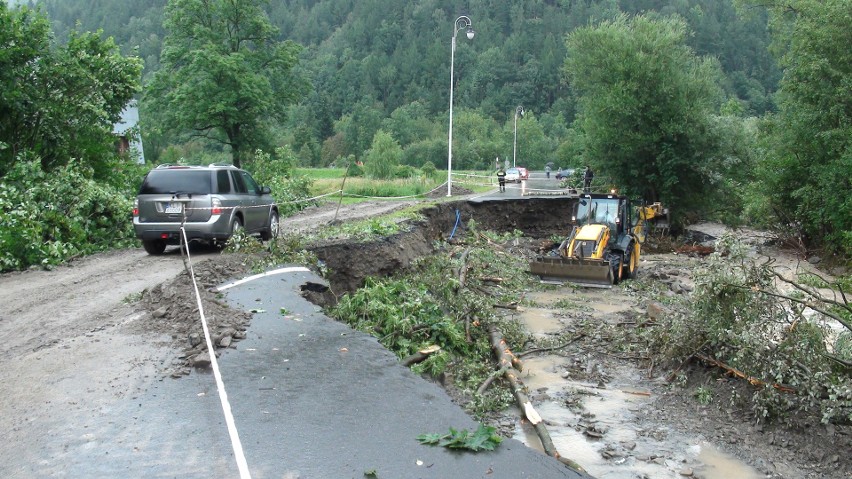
(384, 64)
(731, 109)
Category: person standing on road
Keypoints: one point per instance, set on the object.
(588, 175)
(501, 178)
(547, 171)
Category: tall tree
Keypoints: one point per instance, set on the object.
(645, 107)
(224, 75)
(807, 171)
(383, 157)
(59, 102)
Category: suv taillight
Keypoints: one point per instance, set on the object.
(136, 207)
(217, 206)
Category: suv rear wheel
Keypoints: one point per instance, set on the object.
(155, 247)
(271, 230)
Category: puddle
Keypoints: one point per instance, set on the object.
(719, 465)
(541, 322)
(595, 424)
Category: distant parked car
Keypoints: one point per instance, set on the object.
(210, 202)
(564, 173)
(524, 173)
(513, 175)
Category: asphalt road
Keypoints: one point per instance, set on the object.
(538, 185)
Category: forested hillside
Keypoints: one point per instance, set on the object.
(368, 61)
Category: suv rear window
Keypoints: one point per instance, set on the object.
(177, 181)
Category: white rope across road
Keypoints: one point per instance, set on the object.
(240, 457)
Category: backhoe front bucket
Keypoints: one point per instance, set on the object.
(591, 273)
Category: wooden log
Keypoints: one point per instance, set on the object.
(505, 359)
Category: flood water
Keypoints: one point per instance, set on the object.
(594, 422)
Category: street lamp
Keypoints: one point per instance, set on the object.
(461, 22)
(518, 111)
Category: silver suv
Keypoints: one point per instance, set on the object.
(212, 202)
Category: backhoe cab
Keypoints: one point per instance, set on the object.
(604, 245)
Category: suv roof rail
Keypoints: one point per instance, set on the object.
(221, 165)
(177, 166)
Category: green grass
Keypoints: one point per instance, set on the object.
(329, 180)
(321, 173)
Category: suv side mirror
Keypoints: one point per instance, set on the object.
(264, 190)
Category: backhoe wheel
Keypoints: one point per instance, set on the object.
(631, 262)
(615, 261)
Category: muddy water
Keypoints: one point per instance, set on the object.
(593, 421)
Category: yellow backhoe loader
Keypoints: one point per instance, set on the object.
(605, 243)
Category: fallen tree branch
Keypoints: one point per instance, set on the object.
(737, 373)
(420, 356)
(491, 279)
(462, 272)
(506, 306)
(554, 348)
(505, 360)
(490, 379)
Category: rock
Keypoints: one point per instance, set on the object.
(225, 341)
(686, 471)
(814, 260)
(201, 361)
(161, 312)
(630, 445)
(655, 310)
(194, 339)
(240, 335)
(225, 333)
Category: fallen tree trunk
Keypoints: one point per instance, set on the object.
(506, 361)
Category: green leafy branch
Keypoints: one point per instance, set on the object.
(483, 439)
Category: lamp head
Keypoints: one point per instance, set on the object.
(470, 32)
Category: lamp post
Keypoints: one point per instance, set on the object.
(460, 23)
(518, 111)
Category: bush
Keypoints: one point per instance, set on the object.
(48, 218)
(405, 171)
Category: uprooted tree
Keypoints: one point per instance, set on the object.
(787, 332)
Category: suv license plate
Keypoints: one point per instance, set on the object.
(173, 207)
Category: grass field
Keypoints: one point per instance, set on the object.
(329, 180)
